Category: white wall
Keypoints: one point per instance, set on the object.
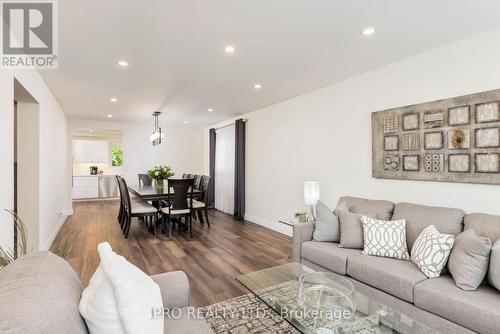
(326, 135)
(54, 168)
(183, 148)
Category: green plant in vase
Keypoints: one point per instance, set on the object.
(160, 173)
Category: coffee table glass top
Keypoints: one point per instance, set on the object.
(278, 288)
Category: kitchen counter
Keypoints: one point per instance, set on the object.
(87, 186)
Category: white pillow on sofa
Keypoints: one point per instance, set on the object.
(385, 238)
(120, 298)
(431, 250)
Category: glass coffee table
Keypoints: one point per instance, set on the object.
(279, 287)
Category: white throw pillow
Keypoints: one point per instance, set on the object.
(120, 298)
(431, 250)
(385, 238)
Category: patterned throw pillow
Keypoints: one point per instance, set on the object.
(431, 251)
(385, 238)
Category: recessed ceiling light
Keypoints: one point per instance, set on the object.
(210, 110)
(368, 31)
(229, 49)
(110, 116)
(113, 99)
(91, 130)
(257, 86)
(186, 122)
(123, 63)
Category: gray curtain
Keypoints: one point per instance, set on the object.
(239, 170)
(211, 185)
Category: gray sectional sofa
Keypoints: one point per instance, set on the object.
(40, 294)
(438, 303)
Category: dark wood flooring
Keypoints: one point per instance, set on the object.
(212, 259)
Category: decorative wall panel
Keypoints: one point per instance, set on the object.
(452, 140)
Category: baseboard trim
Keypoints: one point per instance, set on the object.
(65, 214)
(273, 225)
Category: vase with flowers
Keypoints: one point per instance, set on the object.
(160, 173)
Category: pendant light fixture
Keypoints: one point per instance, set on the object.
(157, 136)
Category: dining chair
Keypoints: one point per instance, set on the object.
(184, 176)
(180, 205)
(145, 180)
(200, 206)
(190, 176)
(197, 181)
(134, 207)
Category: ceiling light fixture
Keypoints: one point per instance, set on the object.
(91, 130)
(123, 63)
(113, 99)
(257, 86)
(186, 122)
(229, 49)
(368, 31)
(157, 136)
(210, 110)
(110, 116)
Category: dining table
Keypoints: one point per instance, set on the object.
(154, 193)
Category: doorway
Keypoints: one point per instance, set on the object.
(26, 163)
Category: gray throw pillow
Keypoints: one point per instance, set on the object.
(469, 259)
(351, 229)
(327, 225)
(494, 272)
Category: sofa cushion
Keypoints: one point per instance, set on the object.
(39, 294)
(351, 229)
(469, 259)
(327, 224)
(431, 250)
(484, 225)
(476, 310)
(383, 209)
(328, 255)
(396, 277)
(186, 322)
(494, 269)
(418, 217)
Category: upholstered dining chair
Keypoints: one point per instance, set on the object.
(190, 176)
(134, 207)
(145, 180)
(184, 176)
(200, 206)
(181, 204)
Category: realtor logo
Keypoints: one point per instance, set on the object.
(29, 34)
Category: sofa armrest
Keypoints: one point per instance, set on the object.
(174, 287)
(301, 232)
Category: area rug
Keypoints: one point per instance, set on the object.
(245, 314)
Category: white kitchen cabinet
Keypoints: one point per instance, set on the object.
(90, 151)
(85, 187)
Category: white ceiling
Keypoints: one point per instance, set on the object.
(175, 49)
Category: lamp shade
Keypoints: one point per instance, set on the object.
(311, 193)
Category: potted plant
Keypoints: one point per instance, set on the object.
(160, 173)
(301, 216)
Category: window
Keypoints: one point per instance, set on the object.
(116, 156)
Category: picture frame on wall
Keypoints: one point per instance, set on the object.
(449, 140)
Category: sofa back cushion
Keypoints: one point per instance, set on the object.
(382, 209)
(39, 293)
(484, 225)
(418, 217)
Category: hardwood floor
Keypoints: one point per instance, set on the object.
(212, 259)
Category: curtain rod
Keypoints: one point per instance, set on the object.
(232, 123)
